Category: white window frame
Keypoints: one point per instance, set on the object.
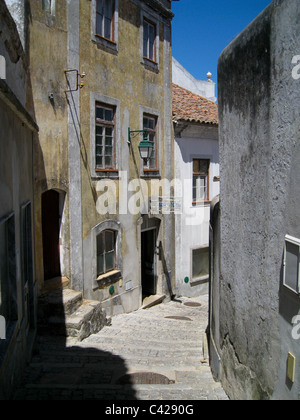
(198, 201)
(294, 241)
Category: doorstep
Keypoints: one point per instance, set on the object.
(152, 300)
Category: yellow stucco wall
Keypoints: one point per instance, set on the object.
(118, 74)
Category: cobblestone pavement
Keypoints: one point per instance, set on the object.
(152, 354)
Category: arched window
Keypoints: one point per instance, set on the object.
(106, 262)
(106, 252)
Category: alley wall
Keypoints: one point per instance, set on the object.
(259, 204)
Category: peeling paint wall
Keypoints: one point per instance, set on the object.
(117, 74)
(48, 36)
(119, 77)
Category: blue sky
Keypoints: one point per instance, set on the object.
(202, 29)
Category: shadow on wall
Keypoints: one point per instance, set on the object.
(63, 371)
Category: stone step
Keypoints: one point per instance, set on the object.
(155, 328)
(87, 319)
(102, 341)
(157, 335)
(166, 320)
(152, 300)
(111, 360)
(54, 284)
(59, 302)
(64, 312)
(149, 350)
(171, 392)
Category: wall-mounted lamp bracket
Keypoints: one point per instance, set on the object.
(79, 83)
(131, 134)
(146, 146)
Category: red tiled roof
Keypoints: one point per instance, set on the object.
(189, 106)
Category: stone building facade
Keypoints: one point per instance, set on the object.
(255, 306)
(100, 69)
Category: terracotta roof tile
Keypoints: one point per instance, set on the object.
(189, 106)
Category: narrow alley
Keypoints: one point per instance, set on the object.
(157, 353)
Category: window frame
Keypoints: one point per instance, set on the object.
(49, 6)
(294, 241)
(201, 249)
(27, 263)
(147, 168)
(112, 24)
(108, 45)
(154, 20)
(102, 281)
(103, 235)
(146, 56)
(106, 124)
(201, 174)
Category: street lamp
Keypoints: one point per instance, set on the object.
(145, 147)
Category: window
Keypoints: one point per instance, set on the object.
(49, 6)
(106, 252)
(8, 284)
(105, 11)
(200, 180)
(292, 264)
(200, 262)
(149, 38)
(106, 256)
(150, 123)
(26, 261)
(105, 138)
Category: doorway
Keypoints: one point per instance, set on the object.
(148, 266)
(51, 229)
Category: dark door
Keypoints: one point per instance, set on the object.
(50, 225)
(148, 263)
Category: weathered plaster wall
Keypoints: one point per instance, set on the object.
(48, 60)
(118, 76)
(259, 138)
(115, 74)
(286, 174)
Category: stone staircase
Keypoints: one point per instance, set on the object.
(152, 354)
(63, 312)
